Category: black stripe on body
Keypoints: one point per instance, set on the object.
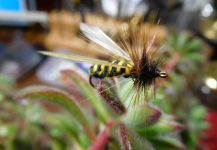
(112, 72)
(104, 72)
(99, 68)
(122, 70)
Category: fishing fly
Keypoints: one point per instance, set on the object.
(134, 60)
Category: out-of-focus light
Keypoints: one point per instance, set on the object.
(207, 10)
(210, 34)
(215, 25)
(211, 83)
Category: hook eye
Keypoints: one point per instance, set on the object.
(163, 74)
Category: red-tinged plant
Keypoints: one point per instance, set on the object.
(110, 124)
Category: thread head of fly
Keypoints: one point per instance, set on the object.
(148, 74)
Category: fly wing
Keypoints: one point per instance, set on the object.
(98, 36)
(78, 58)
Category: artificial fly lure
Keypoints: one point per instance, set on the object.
(132, 61)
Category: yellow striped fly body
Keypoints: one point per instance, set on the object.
(101, 71)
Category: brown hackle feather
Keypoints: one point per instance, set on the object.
(137, 42)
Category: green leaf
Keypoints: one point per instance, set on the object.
(162, 127)
(190, 139)
(181, 41)
(198, 113)
(90, 93)
(6, 81)
(130, 140)
(144, 115)
(196, 57)
(13, 129)
(173, 40)
(69, 126)
(59, 97)
(194, 45)
(166, 143)
(57, 144)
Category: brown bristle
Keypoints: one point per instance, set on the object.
(135, 39)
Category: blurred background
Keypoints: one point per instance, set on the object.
(186, 35)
